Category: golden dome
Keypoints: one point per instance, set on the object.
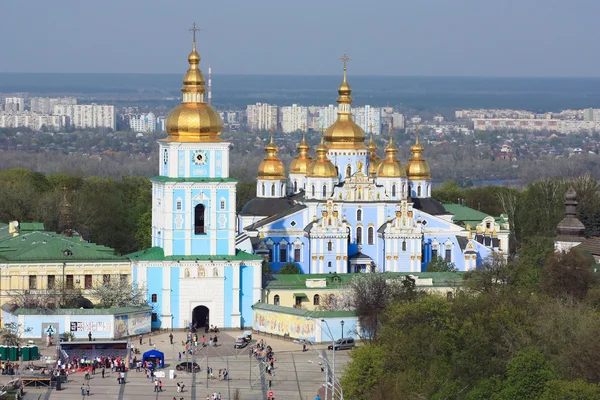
(302, 161)
(321, 167)
(194, 120)
(271, 167)
(417, 168)
(390, 167)
(344, 133)
(374, 160)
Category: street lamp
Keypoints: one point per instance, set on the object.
(342, 324)
(332, 350)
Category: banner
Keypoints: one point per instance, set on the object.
(284, 324)
(132, 324)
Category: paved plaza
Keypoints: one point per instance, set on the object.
(297, 374)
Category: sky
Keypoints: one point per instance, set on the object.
(504, 38)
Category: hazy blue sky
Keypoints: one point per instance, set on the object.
(383, 37)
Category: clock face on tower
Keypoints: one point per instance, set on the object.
(165, 156)
(200, 157)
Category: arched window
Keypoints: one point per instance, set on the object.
(410, 190)
(394, 190)
(262, 192)
(282, 189)
(348, 171)
(359, 215)
(330, 246)
(313, 190)
(276, 300)
(419, 191)
(272, 189)
(370, 234)
(404, 189)
(316, 300)
(359, 235)
(349, 235)
(428, 190)
(324, 191)
(154, 297)
(199, 228)
(295, 186)
(329, 264)
(404, 245)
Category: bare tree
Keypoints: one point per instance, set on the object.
(118, 293)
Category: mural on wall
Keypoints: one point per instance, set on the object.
(284, 324)
(89, 326)
(132, 324)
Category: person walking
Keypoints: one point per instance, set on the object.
(122, 378)
(160, 386)
(179, 356)
(90, 336)
(141, 340)
(156, 386)
(82, 392)
(87, 390)
(171, 337)
(103, 370)
(215, 341)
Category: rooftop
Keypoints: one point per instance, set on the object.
(298, 281)
(158, 254)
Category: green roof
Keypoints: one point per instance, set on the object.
(42, 246)
(199, 180)
(76, 311)
(158, 254)
(465, 214)
(334, 281)
(300, 295)
(303, 313)
(31, 227)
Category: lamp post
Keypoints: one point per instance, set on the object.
(333, 363)
(342, 324)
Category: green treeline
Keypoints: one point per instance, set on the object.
(516, 330)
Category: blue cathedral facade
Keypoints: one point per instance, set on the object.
(342, 210)
(347, 210)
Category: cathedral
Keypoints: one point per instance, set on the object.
(343, 210)
(347, 210)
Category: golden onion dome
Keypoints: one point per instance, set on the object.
(390, 166)
(417, 168)
(374, 160)
(321, 167)
(344, 133)
(194, 120)
(271, 167)
(302, 161)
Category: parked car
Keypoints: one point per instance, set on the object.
(241, 342)
(343, 344)
(188, 366)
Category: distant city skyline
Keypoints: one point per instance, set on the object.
(526, 38)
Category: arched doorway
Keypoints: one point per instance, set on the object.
(200, 317)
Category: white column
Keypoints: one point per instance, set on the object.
(166, 297)
(213, 204)
(235, 297)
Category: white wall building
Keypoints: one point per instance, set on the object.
(294, 118)
(398, 121)
(45, 105)
(144, 123)
(327, 116)
(14, 104)
(31, 120)
(368, 118)
(261, 117)
(88, 115)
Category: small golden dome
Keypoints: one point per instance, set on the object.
(390, 166)
(194, 120)
(417, 168)
(374, 160)
(344, 133)
(271, 167)
(321, 167)
(302, 161)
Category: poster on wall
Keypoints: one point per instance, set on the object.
(285, 324)
(90, 326)
(132, 324)
(51, 329)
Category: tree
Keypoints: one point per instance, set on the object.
(289, 269)
(526, 375)
(570, 390)
(118, 293)
(366, 369)
(438, 264)
(12, 332)
(267, 272)
(448, 193)
(568, 275)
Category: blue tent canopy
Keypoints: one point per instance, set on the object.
(154, 356)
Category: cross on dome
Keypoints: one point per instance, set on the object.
(345, 59)
(193, 29)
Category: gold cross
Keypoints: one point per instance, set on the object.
(193, 29)
(345, 59)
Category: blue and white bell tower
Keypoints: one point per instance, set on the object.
(193, 272)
